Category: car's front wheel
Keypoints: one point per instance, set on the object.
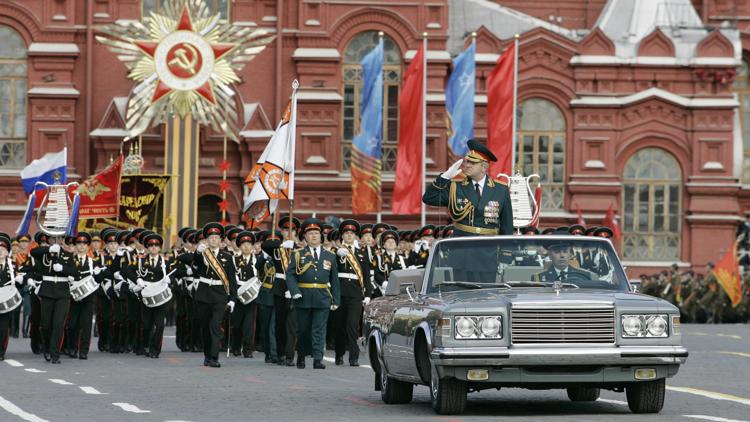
(647, 396)
(448, 395)
(583, 393)
(393, 391)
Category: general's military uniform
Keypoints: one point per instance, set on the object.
(356, 285)
(313, 281)
(54, 265)
(474, 213)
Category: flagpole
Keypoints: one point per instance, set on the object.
(515, 102)
(424, 125)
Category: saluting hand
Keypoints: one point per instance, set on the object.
(453, 170)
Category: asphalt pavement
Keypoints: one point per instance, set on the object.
(714, 385)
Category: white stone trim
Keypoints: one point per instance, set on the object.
(681, 264)
(256, 133)
(653, 61)
(43, 90)
(580, 183)
(431, 54)
(19, 208)
(569, 215)
(486, 58)
(319, 96)
(713, 165)
(714, 217)
(54, 48)
(594, 164)
(603, 101)
(312, 22)
(316, 53)
(109, 133)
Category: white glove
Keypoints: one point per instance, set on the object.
(418, 245)
(265, 255)
(137, 288)
(118, 276)
(97, 270)
(201, 247)
(288, 244)
(287, 294)
(140, 282)
(117, 285)
(32, 283)
(129, 248)
(230, 304)
(342, 252)
(120, 251)
(366, 301)
(297, 296)
(57, 267)
(19, 278)
(453, 170)
(189, 271)
(334, 307)
(54, 248)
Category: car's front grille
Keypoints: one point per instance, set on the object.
(562, 325)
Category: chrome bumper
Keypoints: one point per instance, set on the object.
(525, 356)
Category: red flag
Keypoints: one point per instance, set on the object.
(100, 193)
(500, 112)
(407, 187)
(727, 272)
(611, 222)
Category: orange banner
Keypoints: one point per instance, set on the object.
(727, 271)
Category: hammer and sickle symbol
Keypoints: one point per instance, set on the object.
(182, 61)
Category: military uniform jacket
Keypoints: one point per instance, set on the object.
(361, 286)
(55, 284)
(492, 211)
(8, 273)
(304, 269)
(245, 268)
(385, 265)
(146, 270)
(418, 259)
(550, 275)
(216, 293)
(266, 274)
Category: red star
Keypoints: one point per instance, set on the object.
(223, 205)
(224, 186)
(185, 24)
(224, 166)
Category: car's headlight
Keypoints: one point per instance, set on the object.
(647, 325)
(479, 327)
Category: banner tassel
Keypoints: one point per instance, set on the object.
(23, 228)
(73, 223)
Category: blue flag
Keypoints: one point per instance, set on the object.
(366, 151)
(459, 100)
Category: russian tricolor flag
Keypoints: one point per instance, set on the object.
(50, 169)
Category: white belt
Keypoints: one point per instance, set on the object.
(211, 281)
(350, 276)
(281, 276)
(55, 279)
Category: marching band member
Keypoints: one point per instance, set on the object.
(267, 273)
(278, 252)
(8, 277)
(387, 261)
(243, 317)
(81, 312)
(354, 277)
(54, 265)
(313, 282)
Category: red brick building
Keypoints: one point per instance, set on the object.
(639, 104)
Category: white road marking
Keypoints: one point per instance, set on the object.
(130, 408)
(327, 359)
(12, 362)
(744, 355)
(91, 390)
(712, 418)
(34, 371)
(710, 394)
(61, 382)
(734, 336)
(17, 411)
(624, 403)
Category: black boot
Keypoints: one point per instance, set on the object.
(339, 360)
(318, 365)
(300, 362)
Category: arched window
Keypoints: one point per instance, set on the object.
(12, 99)
(214, 6)
(541, 148)
(208, 209)
(357, 49)
(651, 195)
(742, 88)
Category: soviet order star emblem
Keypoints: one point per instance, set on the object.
(184, 61)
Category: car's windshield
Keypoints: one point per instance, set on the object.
(566, 262)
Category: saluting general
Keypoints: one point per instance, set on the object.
(477, 204)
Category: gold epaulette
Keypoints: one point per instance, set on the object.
(500, 182)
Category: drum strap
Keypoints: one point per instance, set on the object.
(218, 269)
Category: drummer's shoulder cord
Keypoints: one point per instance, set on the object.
(10, 270)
